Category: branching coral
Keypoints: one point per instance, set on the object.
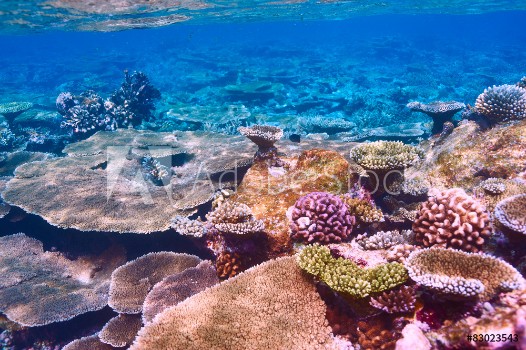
(454, 273)
(345, 276)
(235, 218)
(385, 155)
(384, 239)
(363, 210)
(120, 330)
(511, 212)
(131, 282)
(399, 300)
(451, 218)
(271, 306)
(502, 103)
(400, 252)
(441, 112)
(493, 185)
(321, 217)
(187, 227)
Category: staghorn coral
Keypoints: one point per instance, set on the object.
(441, 112)
(320, 217)
(264, 136)
(451, 218)
(345, 276)
(399, 300)
(131, 282)
(399, 253)
(235, 218)
(502, 103)
(384, 239)
(176, 288)
(228, 265)
(272, 306)
(511, 212)
(39, 288)
(187, 227)
(385, 155)
(91, 342)
(120, 330)
(456, 274)
(363, 210)
(12, 109)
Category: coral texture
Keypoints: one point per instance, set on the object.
(39, 288)
(511, 212)
(271, 306)
(385, 155)
(455, 274)
(176, 288)
(399, 300)
(321, 217)
(345, 276)
(228, 265)
(384, 239)
(84, 113)
(91, 342)
(400, 252)
(522, 83)
(440, 111)
(187, 227)
(120, 330)
(130, 283)
(451, 218)
(11, 109)
(363, 210)
(235, 218)
(502, 103)
(264, 136)
(493, 185)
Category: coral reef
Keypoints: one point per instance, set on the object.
(511, 213)
(399, 300)
(272, 305)
(318, 123)
(235, 219)
(228, 264)
(399, 253)
(346, 277)
(493, 185)
(91, 342)
(120, 330)
(12, 109)
(264, 136)
(456, 274)
(522, 83)
(320, 217)
(451, 218)
(39, 288)
(363, 210)
(385, 239)
(502, 103)
(413, 339)
(385, 155)
(492, 191)
(176, 288)
(84, 113)
(130, 283)
(187, 227)
(440, 111)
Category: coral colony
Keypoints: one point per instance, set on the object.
(227, 235)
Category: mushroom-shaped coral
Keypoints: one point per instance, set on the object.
(346, 277)
(120, 330)
(320, 217)
(440, 111)
(39, 288)
(91, 342)
(456, 274)
(451, 218)
(399, 300)
(264, 136)
(131, 282)
(385, 155)
(511, 212)
(502, 103)
(11, 109)
(271, 306)
(176, 288)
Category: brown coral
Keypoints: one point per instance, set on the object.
(120, 330)
(228, 265)
(511, 212)
(363, 210)
(131, 282)
(91, 342)
(38, 288)
(399, 300)
(271, 306)
(451, 218)
(176, 288)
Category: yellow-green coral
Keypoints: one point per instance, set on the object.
(363, 210)
(345, 276)
(385, 155)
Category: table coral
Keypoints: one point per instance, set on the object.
(120, 330)
(451, 218)
(511, 212)
(321, 217)
(456, 274)
(440, 111)
(91, 342)
(346, 277)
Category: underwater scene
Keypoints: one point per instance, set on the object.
(264, 175)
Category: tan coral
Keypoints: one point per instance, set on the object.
(39, 288)
(131, 282)
(120, 330)
(451, 218)
(458, 274)
(271, 306)
(91, 342)
(511, 212)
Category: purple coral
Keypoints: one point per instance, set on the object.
(321, 217)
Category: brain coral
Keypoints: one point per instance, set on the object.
(120, 330)
(38, 288)
(502, 103)
(130, 283)
(455, 273)
(451, 218)
(511, 212)
(271, 306)
(385, 155)
(344, 276)
(321, 217)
